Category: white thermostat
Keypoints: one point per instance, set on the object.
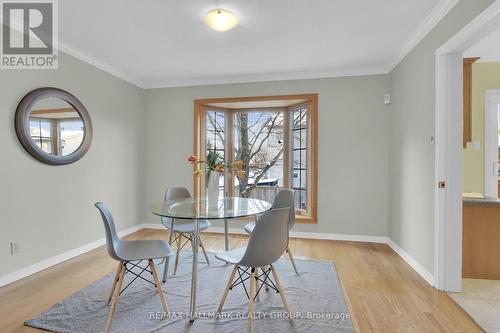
(387, 99)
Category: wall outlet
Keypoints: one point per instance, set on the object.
(15, 248)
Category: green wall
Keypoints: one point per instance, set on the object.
(353, 127)
(50, 210)
(411, 210)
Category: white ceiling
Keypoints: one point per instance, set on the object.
(161, 43)
(488, 48)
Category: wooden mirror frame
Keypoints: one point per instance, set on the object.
(21, 122)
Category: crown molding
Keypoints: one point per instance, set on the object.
(85, 57)
(437, 14)
(429, 23)
(262, 77)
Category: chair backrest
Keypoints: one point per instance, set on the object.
(268, 240)
(284, 199)
(174, 193)
(112, 239)
(177, 193)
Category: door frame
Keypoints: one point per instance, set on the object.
(448, 150)
(491, 101)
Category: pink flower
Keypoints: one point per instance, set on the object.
(193, 159)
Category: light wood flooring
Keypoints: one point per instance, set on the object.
(383, 292)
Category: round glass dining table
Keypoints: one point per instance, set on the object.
(198, 209)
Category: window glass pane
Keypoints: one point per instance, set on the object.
(215, 138)
(300, 138)
(258, 138)
(299, 166)
(72, 132)
(303, 179)
(301, 199)
(40, 131)
(299, 159)
(296, 178)
(46, 145)
(300, 118)
(222, 187)
(259, 142)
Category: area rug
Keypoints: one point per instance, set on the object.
(314, 296)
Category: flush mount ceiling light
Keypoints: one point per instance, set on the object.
(221, 20)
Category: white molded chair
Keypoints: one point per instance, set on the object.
(284, 199)
(182, 229)
(266, 245)
(130, 254)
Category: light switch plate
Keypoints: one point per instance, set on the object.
(15, 248)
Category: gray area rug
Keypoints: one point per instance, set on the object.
(314, 296)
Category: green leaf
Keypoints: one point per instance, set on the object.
(212, 160)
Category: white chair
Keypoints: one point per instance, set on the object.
(284, 199)
(183, 230)
(130, 254)
(266, 245)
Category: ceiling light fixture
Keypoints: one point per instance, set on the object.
(221, 20)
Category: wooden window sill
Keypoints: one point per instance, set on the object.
(305, 219)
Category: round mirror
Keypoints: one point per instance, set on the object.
(53, 126)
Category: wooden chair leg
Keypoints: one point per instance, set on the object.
(280, 288)
(116, 296)
(229, 283)
(179, 239)
(158, 285)
(115, 280)
(292, 259)
(256, 283)
(204, 251)
(251, 293)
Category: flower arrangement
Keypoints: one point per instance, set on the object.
(215, 163)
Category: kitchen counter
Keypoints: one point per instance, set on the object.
(486, 201)
(481, 238)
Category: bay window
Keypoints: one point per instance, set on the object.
(275, 137)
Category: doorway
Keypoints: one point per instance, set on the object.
(491, 142)
(449, 145)
(467, 229)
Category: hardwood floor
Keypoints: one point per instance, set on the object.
(383, 292)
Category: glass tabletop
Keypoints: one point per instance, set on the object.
(226, 208)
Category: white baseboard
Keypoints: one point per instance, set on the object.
(424, 273)
(44, 264)
(151, 226)
(419, 269)
(293, 234)
(339, 237)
